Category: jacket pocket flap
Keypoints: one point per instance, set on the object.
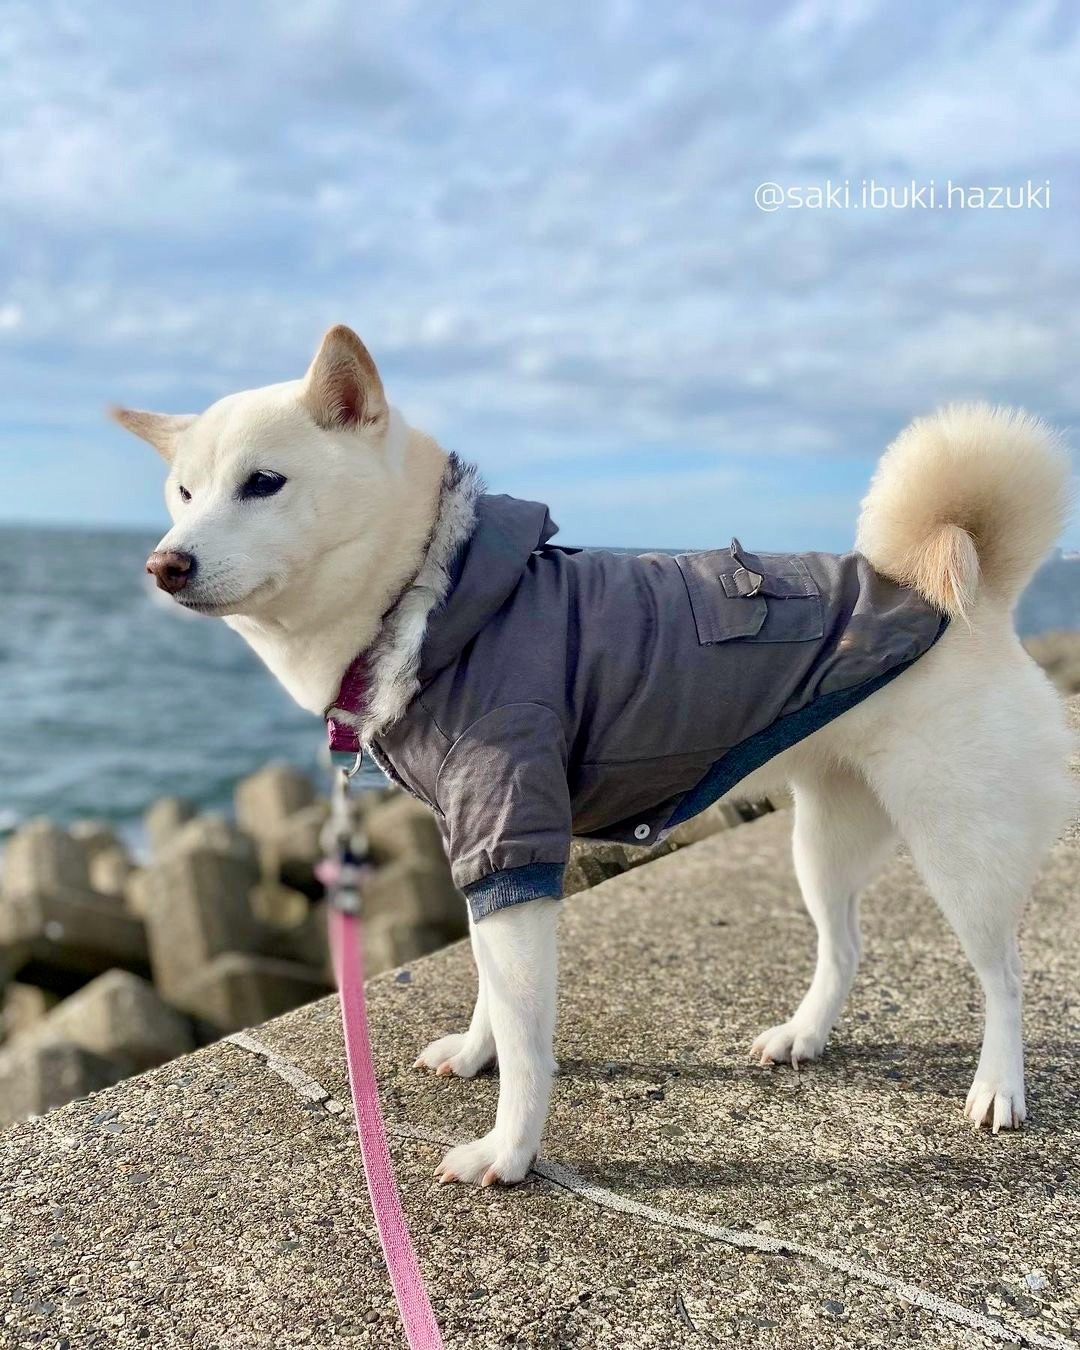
(782, 575)
(767, 597)
(718, 616)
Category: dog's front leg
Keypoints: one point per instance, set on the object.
(516, 957)
(464, 1055)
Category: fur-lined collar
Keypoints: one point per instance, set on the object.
(392, 660)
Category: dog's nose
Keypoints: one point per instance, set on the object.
(171, 570)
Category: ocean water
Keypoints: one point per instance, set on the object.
(110, 696)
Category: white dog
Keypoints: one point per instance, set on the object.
(306, 514)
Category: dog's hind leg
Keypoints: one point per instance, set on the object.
(842, 837)
(979, 813)
(464, 1054)
(988, 935)
(979, 872)
(978, 865)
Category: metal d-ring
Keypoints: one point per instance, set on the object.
(347, 761)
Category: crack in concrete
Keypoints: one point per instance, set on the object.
(567, 1179)
(683, 1314)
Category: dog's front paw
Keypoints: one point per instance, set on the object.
(456, 1056)
(484, 1162)
(997, 1104)
(788, 1044)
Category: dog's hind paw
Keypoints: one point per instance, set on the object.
(997, 1105)
(485, 1162)
(788, 1044)
(456, 1056)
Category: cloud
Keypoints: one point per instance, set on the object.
(541, 220)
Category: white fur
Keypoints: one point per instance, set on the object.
(394, 656)
(963, 756)
(933, 514)
(516, 962)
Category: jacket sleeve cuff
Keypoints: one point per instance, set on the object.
(516, 885)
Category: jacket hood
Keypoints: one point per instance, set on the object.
(483, 575)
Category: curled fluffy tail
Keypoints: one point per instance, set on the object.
(966, 502)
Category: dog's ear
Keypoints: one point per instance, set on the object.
(342, 389)
(159, 429)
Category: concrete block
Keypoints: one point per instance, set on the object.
(719, 816)
(289, 851)
(93, 837)
(403, 828)
(279, 907)
(419, 893)
(750, 810)
(120, 1017)
(138, 889)
(270, 796)
(109, 871)
(196, 907)
(293, 928)
(60, 939)
(238, 989)
(35, 1077)
(313, 944)
(23, 1007)
(42, 857)
(367, 799)
(211, 833)
(592, 861)
(163, 818)
(389, 942)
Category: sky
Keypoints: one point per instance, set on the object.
(542, 221)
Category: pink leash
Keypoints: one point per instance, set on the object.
(344, 876)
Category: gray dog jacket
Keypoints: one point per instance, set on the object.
(582, 692)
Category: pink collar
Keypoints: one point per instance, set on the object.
(353, 697)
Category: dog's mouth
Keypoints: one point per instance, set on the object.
(216, 607)
(206, 606)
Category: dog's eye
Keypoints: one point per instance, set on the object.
(185, 495)
(262, 483)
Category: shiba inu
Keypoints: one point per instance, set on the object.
(527, 692)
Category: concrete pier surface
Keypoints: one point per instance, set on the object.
(686, 1198)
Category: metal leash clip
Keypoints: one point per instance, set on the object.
(345, 865)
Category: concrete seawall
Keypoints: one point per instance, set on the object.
(108, 967)
(686, 1198)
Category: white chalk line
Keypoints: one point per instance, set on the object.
(302, 1082)
(569, 1180)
